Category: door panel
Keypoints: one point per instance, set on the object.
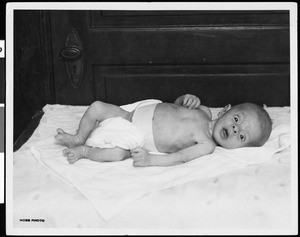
(163, 54)
(163, 19)
(214, 89)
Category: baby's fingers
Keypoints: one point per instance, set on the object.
(136, 164)
(198, 103)
(136, 149)
(137, 161)
(189, 102)
(185, 100)
(136, 158)
(192, 105)
(195, 104)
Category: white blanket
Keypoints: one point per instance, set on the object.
(110, 187)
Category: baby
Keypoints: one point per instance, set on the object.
(183, 130)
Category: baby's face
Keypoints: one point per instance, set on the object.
(238, 127)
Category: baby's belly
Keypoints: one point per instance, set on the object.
(174, 128)
(168, 146)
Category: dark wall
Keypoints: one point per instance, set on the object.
(30, 67)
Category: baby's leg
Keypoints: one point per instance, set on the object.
(97, 112)
(96, 154)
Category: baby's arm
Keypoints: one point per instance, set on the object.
(206, 110)
(142, 158)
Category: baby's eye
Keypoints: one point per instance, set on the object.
(236, 119)
(242, 137)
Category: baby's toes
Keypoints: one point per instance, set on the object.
(68, 153)
(60, 131)
(58, 137)
(72, 160)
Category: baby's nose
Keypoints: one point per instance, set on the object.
(235, 129)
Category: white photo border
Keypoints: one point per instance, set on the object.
(291, 6)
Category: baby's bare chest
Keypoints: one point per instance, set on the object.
(177, 123)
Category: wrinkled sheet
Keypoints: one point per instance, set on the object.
(240, 192)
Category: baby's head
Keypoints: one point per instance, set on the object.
(243, 125)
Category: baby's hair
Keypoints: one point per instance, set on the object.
(265, 123)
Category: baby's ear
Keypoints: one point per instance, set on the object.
(224, 110)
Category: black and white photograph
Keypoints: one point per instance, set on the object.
(151, 118)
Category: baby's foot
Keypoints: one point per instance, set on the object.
(74, 154)
(67, 139)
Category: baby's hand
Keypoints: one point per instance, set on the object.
(190, 101)
(140, 157)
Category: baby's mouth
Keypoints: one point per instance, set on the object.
(224, 133)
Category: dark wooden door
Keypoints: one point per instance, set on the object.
(124, 56)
